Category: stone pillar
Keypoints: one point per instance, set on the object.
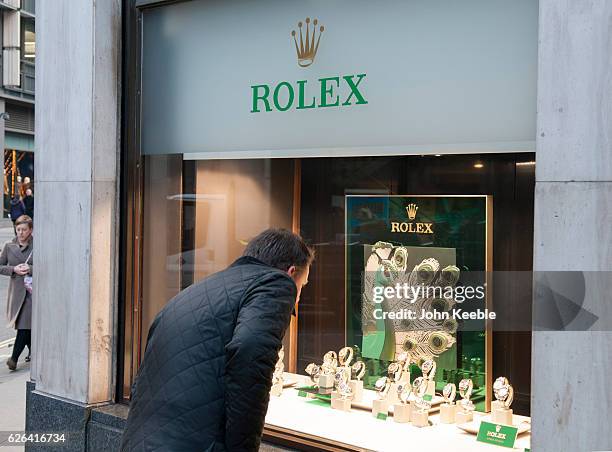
(571, 400)
(76, 246)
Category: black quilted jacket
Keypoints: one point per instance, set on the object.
(204, 382)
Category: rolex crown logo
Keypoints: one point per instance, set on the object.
(497, 428)
(411, 210)
(309, 42)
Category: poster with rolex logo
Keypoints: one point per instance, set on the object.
(416, 275)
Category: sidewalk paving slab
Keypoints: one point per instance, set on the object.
(13, 397)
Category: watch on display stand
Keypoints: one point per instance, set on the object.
(328, 372)
(343, 370)
(358, 370)
(314, 372)
(380, 405)
(342, 396)
(420, 411)
(402, 411)
(404, 360)
(394, 372)
(500, 408)
(428, 368)
(448, 409)
(465, 410)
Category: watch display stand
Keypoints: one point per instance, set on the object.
(463, 417)
(341, 404)
(420, 418)
(326, 384)
(380, 406)
(502, 416)
(357, 389)
(392, 394)
(431, 388)
(402, 412)
(448, 413)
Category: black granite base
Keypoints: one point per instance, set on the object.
(46, 414)
(106, 427)
(86, 429)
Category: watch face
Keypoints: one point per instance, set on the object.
(465, 388)
(330, 357)
(500, 383)
(312, 369)
(393, 370)
(448, 392)
(501, 388)
(502, 392)
(417, 384)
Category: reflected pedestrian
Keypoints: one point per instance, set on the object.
(17, 209)
(16, 262)
(28, 202)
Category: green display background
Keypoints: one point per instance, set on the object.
(459, 226)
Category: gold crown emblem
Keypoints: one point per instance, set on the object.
(309, 44)
(411, 210)
(497, 428)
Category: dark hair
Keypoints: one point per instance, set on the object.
(281, 249)
(24, 219)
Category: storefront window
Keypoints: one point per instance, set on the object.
(249, 135)
(198, 215)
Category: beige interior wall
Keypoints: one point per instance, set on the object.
(235, 200)
(161, 236)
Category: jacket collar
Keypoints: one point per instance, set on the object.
(22, 247)
(245, 260)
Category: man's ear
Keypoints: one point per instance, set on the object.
(291, 271)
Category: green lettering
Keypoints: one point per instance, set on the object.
(354, 90)
(301, 95)
(291, 96)
(263, 97)
(325, 91)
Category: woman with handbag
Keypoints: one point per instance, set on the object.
(16, 262)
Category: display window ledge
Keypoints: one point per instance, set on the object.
(304, 424)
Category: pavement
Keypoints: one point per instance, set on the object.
(12, 383)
